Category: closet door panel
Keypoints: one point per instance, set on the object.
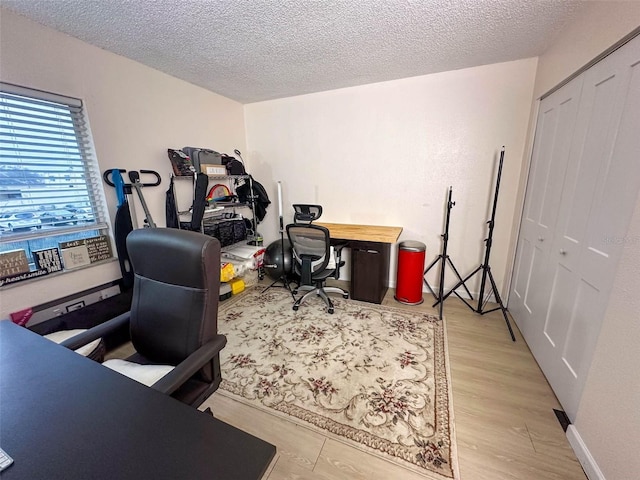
(609, 221)
(587, 168)
(586, 313)
(560, 311)
(523, 265)
(556, 121)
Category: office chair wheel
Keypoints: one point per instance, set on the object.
(345, 295)
(295, 307)
(330, 310)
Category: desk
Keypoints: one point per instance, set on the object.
(370, 256)
(63, 416)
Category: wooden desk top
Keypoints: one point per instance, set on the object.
(365, 233)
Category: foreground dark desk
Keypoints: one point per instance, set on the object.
(370, 256)
(63, 416)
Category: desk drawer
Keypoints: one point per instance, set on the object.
(369, 270)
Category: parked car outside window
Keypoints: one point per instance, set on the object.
(19, 221)
(57, 217)
(84, 215)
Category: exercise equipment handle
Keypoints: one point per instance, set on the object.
(147, 172)
(108, 173)
(133, 176)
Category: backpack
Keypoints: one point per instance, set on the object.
(262, 199)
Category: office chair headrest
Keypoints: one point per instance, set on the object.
(305, 213)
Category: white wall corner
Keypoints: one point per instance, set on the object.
(585, 458)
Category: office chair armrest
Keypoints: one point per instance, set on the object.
(96, 332)
(187, 368)
(337, 254)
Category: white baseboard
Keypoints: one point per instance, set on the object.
(585, 458)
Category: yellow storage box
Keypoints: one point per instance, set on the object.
(237, 285)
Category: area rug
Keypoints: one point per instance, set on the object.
(373, 377)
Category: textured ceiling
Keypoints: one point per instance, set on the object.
(253, 50)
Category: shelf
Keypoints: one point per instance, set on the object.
(214, 177)
(232, 204)
(227, 177)
(225, 205)
(219, 210)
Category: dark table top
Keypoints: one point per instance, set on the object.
(63, 416)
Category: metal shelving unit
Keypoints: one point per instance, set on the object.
(218, 209)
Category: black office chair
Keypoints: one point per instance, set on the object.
(311, 246)
(306, 213)
(174, 314)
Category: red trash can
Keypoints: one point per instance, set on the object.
(410, 274)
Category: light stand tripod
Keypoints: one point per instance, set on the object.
(485, 267)
(445, 259)
(283, 276)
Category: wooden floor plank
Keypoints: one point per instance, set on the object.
(294, 443)
(287, 470)
(339, 461)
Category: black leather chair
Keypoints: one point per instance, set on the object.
(174, 314)
(311, 247)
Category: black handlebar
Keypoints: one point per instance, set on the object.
(134, 176)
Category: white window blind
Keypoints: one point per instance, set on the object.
(50, 186)
(49, 178)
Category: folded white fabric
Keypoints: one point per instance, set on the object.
(63, 335)
(332, 259)
(145, 374)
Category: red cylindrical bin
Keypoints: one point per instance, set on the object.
(410, 272)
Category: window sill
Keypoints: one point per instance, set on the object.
(30, 281)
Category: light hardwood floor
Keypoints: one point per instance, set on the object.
(503, 407)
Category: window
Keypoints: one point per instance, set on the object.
(50, 185)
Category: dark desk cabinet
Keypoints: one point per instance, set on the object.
(369, 270)
(370, 253)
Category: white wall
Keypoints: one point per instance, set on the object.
(599, 26)
(386, 153)
(135, 113)
(608, 419)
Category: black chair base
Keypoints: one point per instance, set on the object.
(321, 291)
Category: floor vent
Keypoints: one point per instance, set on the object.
(563, 419)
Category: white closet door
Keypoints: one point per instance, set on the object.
(601, 188)
(599, 192)
(554, 130)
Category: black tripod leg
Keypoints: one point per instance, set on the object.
(429, 287)
(283, 278)
(440, 294)
(432, 264)
(499, 300)
(426, 271)
(285, 284)
(453, 267)
(288, 286)
(461, 282)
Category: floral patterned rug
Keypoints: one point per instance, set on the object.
(371, 376)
